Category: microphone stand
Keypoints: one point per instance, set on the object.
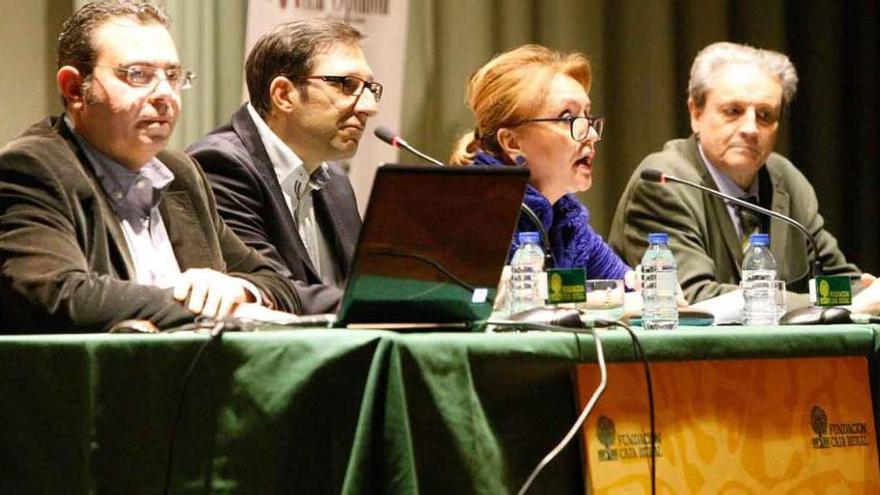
(400, 143)
(816, 266)
(533, 217)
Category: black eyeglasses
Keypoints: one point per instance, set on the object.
(580, 125)
(352, 86)
(147, 76)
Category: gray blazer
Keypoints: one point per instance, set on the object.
(702, 235)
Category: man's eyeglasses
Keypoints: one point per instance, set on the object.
(580, 125)
(352, 86)
(141, 76)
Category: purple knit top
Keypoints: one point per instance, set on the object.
(573, 242)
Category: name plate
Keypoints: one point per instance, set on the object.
(831, 290)
(566, 285)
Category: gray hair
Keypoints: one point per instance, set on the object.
(717, 55)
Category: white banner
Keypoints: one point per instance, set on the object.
(384, 22)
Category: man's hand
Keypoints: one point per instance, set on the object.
(210, 293)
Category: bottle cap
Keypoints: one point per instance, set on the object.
(528, 237)
(658, 238)
(759, 239)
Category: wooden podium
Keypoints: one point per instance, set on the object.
(801, 425)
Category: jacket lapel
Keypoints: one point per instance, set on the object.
(781, 233)
(718, 222)
(120, 256)
(247, 131)
(340, 231)
(187, 237)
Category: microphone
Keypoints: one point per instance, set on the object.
(547, 317)
(812, 315)
(390, 137)
(654, 175)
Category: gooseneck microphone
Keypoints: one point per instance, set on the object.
(390, 137)
(654, 175)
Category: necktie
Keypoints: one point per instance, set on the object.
(749, 220)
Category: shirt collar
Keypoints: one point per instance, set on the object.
(724, 182)
(132, 194)
(288, 166)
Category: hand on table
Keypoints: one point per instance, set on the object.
(210, 293)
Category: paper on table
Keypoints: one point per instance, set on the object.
(727, 308)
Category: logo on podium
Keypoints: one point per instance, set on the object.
(819, 423)
(625, 446)
(844, 434)
(605, 433)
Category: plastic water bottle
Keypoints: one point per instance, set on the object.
(659, 285)
(527, 272)
(758, 270)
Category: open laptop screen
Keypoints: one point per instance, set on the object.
(433, 244)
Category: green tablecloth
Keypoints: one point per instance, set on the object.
(325, 411)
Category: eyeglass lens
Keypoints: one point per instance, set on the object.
(147, 76)
(580, 128)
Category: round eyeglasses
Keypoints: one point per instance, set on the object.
(580, 125)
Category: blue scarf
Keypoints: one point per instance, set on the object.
(567, 223)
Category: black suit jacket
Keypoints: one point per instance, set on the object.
(65, 262)
(251, 202)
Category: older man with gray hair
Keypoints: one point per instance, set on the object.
(736, 97)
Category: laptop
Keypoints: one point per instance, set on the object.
(433, 244)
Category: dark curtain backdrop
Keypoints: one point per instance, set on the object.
(641, 53)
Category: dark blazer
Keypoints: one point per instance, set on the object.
(251, 202)
(702, 235)
(65, 262)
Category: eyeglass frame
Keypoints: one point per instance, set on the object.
(591, 121)
(371, 85)
(186, 81)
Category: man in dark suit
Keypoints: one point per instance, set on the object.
(97, 223)
(271, 166)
